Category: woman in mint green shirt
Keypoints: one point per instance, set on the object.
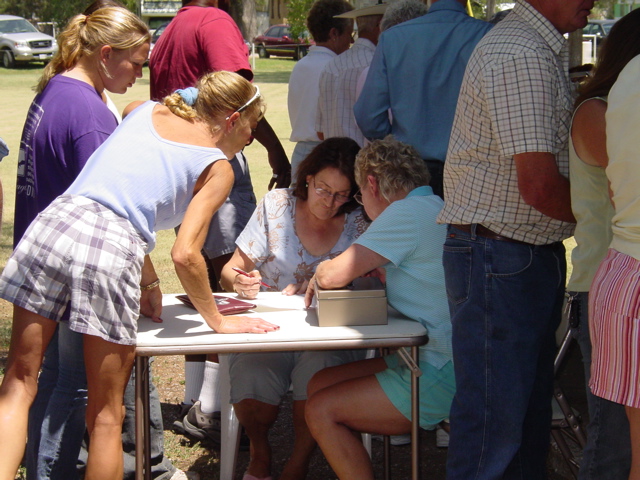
(403, 246)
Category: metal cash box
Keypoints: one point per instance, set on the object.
(365, 303)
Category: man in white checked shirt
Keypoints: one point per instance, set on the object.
(334, 117)
(508, 207)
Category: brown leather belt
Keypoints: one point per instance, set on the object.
(486, 233)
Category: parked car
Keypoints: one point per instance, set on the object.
(20, 41)
(599, 28)
(277, 41)
(595, 32)
(156, 35)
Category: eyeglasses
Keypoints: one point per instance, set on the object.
(358, 197)
(337, 197)
(246, 105)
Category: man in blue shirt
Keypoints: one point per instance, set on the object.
(416, 72)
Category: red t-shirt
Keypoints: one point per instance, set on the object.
(198, 40)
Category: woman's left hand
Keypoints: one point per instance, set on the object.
(151, 304)
(295, 288)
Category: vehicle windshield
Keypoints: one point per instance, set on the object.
(607, 27)
(18, 25)
(158, 32)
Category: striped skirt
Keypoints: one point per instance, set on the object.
(614, 322)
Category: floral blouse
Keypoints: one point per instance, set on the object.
(271, 242)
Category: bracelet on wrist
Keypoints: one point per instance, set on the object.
(152, 285)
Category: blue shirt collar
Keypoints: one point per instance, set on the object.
(447, 5)
(425, 190)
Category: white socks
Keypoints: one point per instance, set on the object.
(193, 377)
(210, 393)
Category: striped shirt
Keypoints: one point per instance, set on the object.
(338, 82)
(515, 98)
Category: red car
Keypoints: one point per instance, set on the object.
(277, 41)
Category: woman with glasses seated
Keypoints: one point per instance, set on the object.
(291, 232)
(374, 395)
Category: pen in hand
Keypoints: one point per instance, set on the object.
(242, 272)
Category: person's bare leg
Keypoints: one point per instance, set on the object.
(358, 404)
(30, 336)
(340, 373)
(108, 368)
(297, 465)
(257, 418)
(633, 414)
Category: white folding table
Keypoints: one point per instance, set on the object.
(184, 332)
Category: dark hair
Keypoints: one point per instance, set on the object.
(321, 18)
(98, 4)
(621, 45)
(336, 152)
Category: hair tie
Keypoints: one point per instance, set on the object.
(189, 95)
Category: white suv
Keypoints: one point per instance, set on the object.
(20, 41)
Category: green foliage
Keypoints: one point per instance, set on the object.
(297, 11)
(262, 5)
(23, 8)
(58, 11)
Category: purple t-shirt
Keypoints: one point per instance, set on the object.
(65, 124)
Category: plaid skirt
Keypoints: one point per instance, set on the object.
(79, 255)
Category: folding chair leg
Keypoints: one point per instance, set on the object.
(230, 428)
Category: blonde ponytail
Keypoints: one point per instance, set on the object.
(219, 94)
(85, 34)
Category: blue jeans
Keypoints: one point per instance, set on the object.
(57, 416)
(505, 300)
(607, 455)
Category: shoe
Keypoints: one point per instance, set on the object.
(182, 475)
(202, 426)
(396, 440)
(442, 437)
(177, 426)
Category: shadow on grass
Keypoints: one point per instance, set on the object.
(23, 66)
(271, 77)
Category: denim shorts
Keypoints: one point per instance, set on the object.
(437, 388)
(232, 216)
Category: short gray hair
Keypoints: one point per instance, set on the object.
(396, 166)
(367, 23)
(402, 11)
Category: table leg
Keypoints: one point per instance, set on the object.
(143, 447)
(415, 419)
(387, 457)
(386, 445)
